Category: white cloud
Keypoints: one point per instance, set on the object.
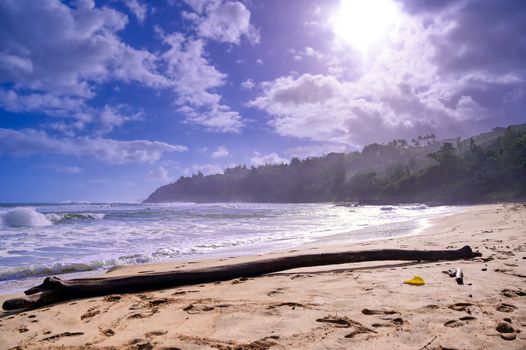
(398, 92)
(248, 84)
(59, 71)
(205, 169)
(84, 40)
(138, 9)
(66, 106)
(263, 159)
(159, 174)
(111, 117)
(308, 51)
(220, 152)
(31, 141)
(194, 82)
(223, 21)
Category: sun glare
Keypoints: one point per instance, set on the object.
(364, 23)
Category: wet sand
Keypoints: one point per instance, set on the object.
(364, 306)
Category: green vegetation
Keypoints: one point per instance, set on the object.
(485, 168)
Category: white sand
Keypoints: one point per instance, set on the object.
(363, 306)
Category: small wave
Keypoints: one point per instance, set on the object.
(387, 208)
(24, 217)
(55, 218)
(54, 269)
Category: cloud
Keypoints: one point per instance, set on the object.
(220, 152)
(308, 51)
(84, 40)
(159, 174)
(111, 117)
(31, 141)
(223, 21)
(263, 159)
(194, 81)
(206, 169)
(138, 9)
(59, 71)
(248, 84)
(434, 74)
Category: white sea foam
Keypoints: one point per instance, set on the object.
(24, 217)
(58, 238)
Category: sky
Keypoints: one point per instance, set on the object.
(107, 100)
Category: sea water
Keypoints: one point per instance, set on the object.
(48, 239)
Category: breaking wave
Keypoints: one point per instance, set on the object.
(55, 218)
(24, 217)
(54, 269)
(30, 217)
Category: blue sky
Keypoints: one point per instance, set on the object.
(107, 100)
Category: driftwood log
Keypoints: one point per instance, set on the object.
(54, 289)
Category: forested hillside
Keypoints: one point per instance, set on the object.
(484, 168)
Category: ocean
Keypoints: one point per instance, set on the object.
(39, 240)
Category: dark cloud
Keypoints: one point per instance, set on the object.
(487, 35)
(425, 6)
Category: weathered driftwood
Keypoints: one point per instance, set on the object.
(54, 289)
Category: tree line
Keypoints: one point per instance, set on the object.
(484, 168)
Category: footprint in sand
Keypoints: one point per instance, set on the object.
(379, 312)
(108, 332)
(197, 308)
(461, 307)
(22, 329)
(263, 343)
(92, 311)
(460, 322)
(506, 330)
(340, 322)
(62, 335)
(467, 318)
(291, 304)
(144, 315)
(275, 291)
(396, 322)
(157, 302)
(453, 324)
(140, 344)
(505, 307)
(511, 293)
(183, 292)
(152, 334)
(112, 298)
(344, 322)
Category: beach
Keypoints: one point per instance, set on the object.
(361, 305)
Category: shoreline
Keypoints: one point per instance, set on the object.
(17, 285)
(337, 306)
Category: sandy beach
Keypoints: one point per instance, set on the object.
(362, 306)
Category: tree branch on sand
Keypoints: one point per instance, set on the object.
(54, 289)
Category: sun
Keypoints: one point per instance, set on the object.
(364, 23)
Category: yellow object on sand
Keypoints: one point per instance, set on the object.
(415, 281)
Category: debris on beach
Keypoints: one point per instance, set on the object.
(415, 281)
